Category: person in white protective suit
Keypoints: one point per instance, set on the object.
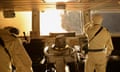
(100, 45)
(5, 60)
(19, 56)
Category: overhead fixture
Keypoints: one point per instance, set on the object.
(60, 5)
(8, 13)
(55, 1)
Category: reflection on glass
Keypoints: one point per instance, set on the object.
(71, 21)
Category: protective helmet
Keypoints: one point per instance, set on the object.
(97, 19)
(12, 30)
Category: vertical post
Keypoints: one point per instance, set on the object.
(35, 33)
(86, 16)
(85, 13)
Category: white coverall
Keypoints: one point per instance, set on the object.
(5, 62)
(97, 60)
(20, 58)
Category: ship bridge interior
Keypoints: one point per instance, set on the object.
(39, 21)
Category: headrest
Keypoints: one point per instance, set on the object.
(60, 36)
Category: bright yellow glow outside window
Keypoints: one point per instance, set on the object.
(50, 21)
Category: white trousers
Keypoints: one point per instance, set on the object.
(96, 61)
